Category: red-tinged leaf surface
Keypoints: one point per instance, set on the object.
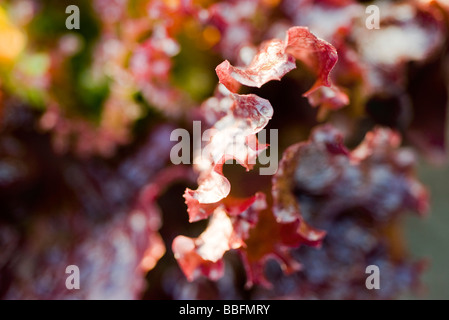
(270, 63)
(312, 181)
(228, 229)
(232, 137)
(216, 107)
(202, 256)
(226, 75)
(283, 236)
(275, 59)
(328, 98)
(317, 54)
(212, 188)
(198, 210)
(331, 98)
(376, 176)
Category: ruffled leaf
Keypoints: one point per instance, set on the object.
(270, 63)
(376, 176)
(228, 229)
(232, 137)
(276, 58)
(317, 54)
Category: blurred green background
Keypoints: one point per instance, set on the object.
(428, 237)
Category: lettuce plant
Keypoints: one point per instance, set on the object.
(87, 176)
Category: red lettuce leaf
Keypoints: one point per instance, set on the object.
(228, 229)
(233, 137)
(270, 63)
(275, 59)
(317, 54)
(376, 176)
